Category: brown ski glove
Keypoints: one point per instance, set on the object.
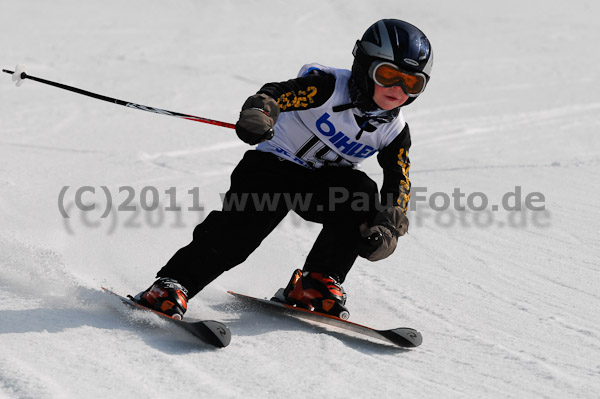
(258, 116)
(379, 240)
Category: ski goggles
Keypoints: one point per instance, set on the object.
(388, 75)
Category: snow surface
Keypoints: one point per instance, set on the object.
(507, 301)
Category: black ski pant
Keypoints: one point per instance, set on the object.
(264, 188)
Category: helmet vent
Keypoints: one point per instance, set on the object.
(411, 62)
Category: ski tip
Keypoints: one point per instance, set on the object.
(407, 337)
(221, 333)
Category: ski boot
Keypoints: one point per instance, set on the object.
(165, 296)
(317, 292)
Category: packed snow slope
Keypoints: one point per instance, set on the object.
(499, 272)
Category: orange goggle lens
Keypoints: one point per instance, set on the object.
(388, 75)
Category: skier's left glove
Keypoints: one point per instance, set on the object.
(258, 116)
(379, 241)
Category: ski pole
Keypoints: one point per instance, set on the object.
(19, 74)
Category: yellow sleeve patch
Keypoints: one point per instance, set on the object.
(404, 196)
(301, 99)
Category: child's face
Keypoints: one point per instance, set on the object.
(389, 97)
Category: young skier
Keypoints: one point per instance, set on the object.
(312, 133)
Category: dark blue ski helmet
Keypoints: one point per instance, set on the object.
(394, 41)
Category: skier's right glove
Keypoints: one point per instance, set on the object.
(379, 240)
(258, 116)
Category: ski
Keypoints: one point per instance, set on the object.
(209, 331)
(403, 337)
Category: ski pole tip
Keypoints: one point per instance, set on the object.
(19, 74)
